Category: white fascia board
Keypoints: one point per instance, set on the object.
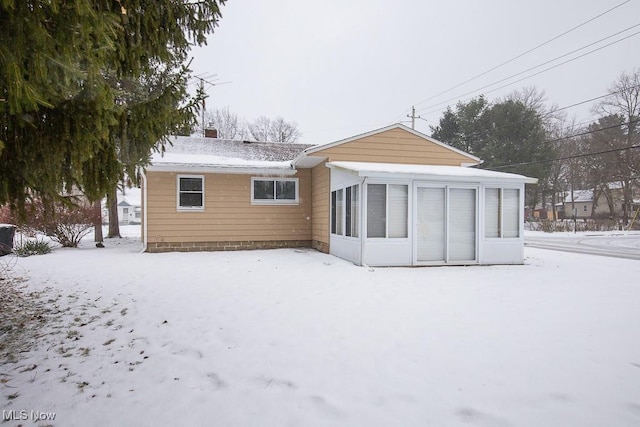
(220, 169)
(434, 177)
(304, 161)
(445, 178)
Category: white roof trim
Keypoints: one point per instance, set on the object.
(186, 168)
(429, 172)
(317, 148)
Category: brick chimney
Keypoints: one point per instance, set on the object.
(211, 133)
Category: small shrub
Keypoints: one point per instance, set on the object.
(30, 247)
(65, 221)
(568, 225)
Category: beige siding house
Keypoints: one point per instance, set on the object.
(392, 196)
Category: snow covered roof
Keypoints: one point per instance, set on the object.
(580, 196)
(131, 197)
(208, 154)
(457, 173)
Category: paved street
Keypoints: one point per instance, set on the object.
(623, 245)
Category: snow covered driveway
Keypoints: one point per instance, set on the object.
(614, 244)
(296, 337)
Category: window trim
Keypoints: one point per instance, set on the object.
(275, 201)
(189, 208)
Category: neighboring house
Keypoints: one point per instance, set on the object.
(393, 196)
(129, 206)
(583, 203)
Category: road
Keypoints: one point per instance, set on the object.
(606, 244)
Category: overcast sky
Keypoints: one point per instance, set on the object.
(342, 67)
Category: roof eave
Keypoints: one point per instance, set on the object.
(221, 169)
(435, 177)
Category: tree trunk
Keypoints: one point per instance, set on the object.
(97, 225)
(610, 204)
(112, 203)
(627, 200)
(595, 198)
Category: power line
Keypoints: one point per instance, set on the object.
(537, 66)
(524, 53)
(486, 132)
(575, 156)
(613, 150)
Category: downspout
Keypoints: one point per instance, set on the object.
(145, 231)
(362, 229)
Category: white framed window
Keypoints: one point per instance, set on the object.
(274, 191)
(190, 192)
(501, 213)
(387, 210)
(345, 211)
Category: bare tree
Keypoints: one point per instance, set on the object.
(622, 110)
(226, 123)
(283, 131)
(263, 128)
(561, 173)
(536, 100)
(260, 129)
(276, 130)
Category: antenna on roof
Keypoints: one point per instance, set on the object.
(203, 78)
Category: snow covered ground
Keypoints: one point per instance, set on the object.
(296, 337)
(621, 244)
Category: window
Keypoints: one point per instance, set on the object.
(511, 213)
(125, 211)
(190, 192)
(274, 191)
(345, 211)
(352, 211)
(493, 211)
(502, 213)
(387, 210)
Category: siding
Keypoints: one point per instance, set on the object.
(228, 214)
(394, 146)
(143, 208)
(320, 198)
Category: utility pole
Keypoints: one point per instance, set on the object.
(203, 92)
(203, 106)
(413, 117)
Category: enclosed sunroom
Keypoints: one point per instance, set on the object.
(401, 215)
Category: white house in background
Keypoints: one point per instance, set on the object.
(129, 207)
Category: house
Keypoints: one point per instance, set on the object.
(129, 206)
(582, 203)
(389, 197)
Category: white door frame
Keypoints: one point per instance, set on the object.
(446, 187)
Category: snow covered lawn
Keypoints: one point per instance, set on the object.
(296, 337)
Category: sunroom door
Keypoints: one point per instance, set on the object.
(446, 225)
(430, 227)
(462, 225)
